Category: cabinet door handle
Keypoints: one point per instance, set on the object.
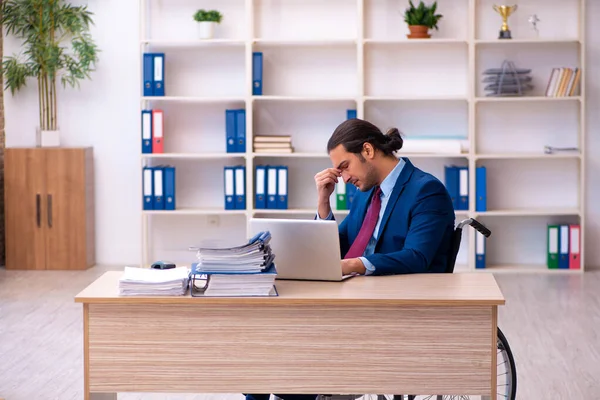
(38, 213)
(50, 210)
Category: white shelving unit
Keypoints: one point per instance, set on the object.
(322, 58)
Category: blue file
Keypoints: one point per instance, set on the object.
(463, 188)
(350, 114)
(350, 191)
(240, 187)
(240, 129)
(282, 187)
(148, 73)
(230, 130)
(159, 74)
(148, 188)
(271, 186)
(257, 71)
(260, 191)
(479, 250)
(451, 182)
(229, 187)
(158, 185)
(146, 131)
(169, 187)
(563, 246)
(480, 189)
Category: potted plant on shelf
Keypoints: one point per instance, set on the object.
(421, 19)
(207, 19)
(45, 27)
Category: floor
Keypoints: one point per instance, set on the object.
(552, 323)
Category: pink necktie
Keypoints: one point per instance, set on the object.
(366, 231)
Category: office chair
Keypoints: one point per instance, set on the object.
(507, 373)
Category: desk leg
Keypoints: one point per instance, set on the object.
(86, 363)
(494, 380)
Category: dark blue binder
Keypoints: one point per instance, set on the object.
(350, 114)
(229, 187)
(271, 186)
(282, 187)
(169, 187)
(463, 188)
(146, 131)
(148, 188)
(148, 78)
(240, 129)
(480, 249)
(257, 72)
(563, 246)
(451, 182)
(230, 130)
(480, 189)
(159, 74)
(159, 187)
(240, 187)
(260, 190)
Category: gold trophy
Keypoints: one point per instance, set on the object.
(505, 12)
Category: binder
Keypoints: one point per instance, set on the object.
(148, 188)
(157, 131)
(159, 199)
(350, 191)
(553, 238)
(229, 182)
(240, 129)
(340, 190)
(257, 71)
(282, 187)
(148, 74)
(350, 114)
(271, 186)
(159, 74)
(240, 187)
(480, 189)
(146, 131)
(169, 187)
(260, 199)
(451, 182)
(575, 246)
(230, 130)
(479, 250)
(463, 188)
(563, 256)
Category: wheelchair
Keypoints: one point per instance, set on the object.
(507, 373)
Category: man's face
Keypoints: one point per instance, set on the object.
(355, 169)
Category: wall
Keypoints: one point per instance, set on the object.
(105, 114)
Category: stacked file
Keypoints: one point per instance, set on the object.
(154, 282)
(245, 270)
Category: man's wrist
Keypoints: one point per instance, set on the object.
(358, 267)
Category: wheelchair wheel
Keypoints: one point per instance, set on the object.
(506, 380)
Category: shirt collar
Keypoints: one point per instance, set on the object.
(390, 181)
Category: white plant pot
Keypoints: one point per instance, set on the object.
(48, 138)
(206, 29)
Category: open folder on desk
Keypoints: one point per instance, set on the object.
(245, 270)
(154, 282)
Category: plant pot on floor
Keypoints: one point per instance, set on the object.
(47, 138)
(418, 32)
(206, 29)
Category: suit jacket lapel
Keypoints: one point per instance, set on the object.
(398, 188)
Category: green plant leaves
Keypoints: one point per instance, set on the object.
(422, 15)
(209, 16)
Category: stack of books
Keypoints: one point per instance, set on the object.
(154, 282)
(245, 270)
(273, 144)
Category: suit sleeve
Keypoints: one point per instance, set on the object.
(432, 213)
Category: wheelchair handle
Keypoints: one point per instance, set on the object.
(476, 225)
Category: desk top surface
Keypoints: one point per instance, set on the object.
(475, 288)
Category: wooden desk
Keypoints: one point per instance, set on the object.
(404, 334)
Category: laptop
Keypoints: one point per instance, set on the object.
(304, 249)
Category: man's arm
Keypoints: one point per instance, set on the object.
(431, 216)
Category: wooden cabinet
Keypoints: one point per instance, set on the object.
(49, 208)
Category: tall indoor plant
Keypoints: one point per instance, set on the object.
(56, 45)
(2, 147)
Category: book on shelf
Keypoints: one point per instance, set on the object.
(243, 270)
(563, 82)
(273, 144)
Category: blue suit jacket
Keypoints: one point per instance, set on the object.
(416, 230)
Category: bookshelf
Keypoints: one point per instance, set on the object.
(323, 58)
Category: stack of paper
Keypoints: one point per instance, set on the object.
(246, 270)
(154, 282)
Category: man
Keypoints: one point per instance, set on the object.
(401, 220)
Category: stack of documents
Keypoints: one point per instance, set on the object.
(245, 270)
(154, 282)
